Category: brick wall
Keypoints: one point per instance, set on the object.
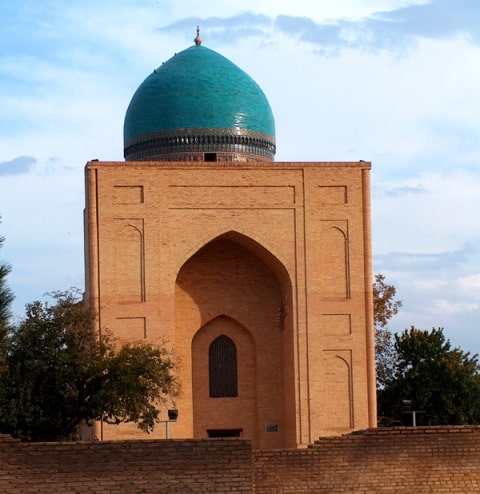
(397, 460)
(126, 467)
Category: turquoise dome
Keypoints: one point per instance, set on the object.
(199, 102)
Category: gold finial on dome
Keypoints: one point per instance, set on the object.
(198, 40)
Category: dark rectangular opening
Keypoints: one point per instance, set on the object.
(210, 156)
(224, 432)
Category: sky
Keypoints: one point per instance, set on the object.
(394, 82)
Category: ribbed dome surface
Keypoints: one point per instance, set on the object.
(197, 102)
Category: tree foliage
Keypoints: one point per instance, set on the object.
(6, 297)
(59, 374)
(443, 383)
(385, 306)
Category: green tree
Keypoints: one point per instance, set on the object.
(6, 297)
(443, 383)
(60, 374)
(384, 308)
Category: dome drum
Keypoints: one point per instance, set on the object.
(196, 144)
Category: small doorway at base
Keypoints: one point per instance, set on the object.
(224, 432)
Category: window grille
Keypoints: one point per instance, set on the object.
(222, 366)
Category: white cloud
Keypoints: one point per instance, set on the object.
(470, 283)
(318, 11)
(431, 285)
(447, 308)
(441, 217)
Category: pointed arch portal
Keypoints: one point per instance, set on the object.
(234, 296)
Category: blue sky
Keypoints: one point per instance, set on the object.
(394, 82)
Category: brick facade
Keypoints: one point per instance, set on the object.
(423, 460)
(277, 257)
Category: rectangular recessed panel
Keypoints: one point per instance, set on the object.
(131, 328)
(128, 194)
(332, 194)
(336, 324)
(231, 196)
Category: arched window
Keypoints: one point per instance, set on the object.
(222, 368)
